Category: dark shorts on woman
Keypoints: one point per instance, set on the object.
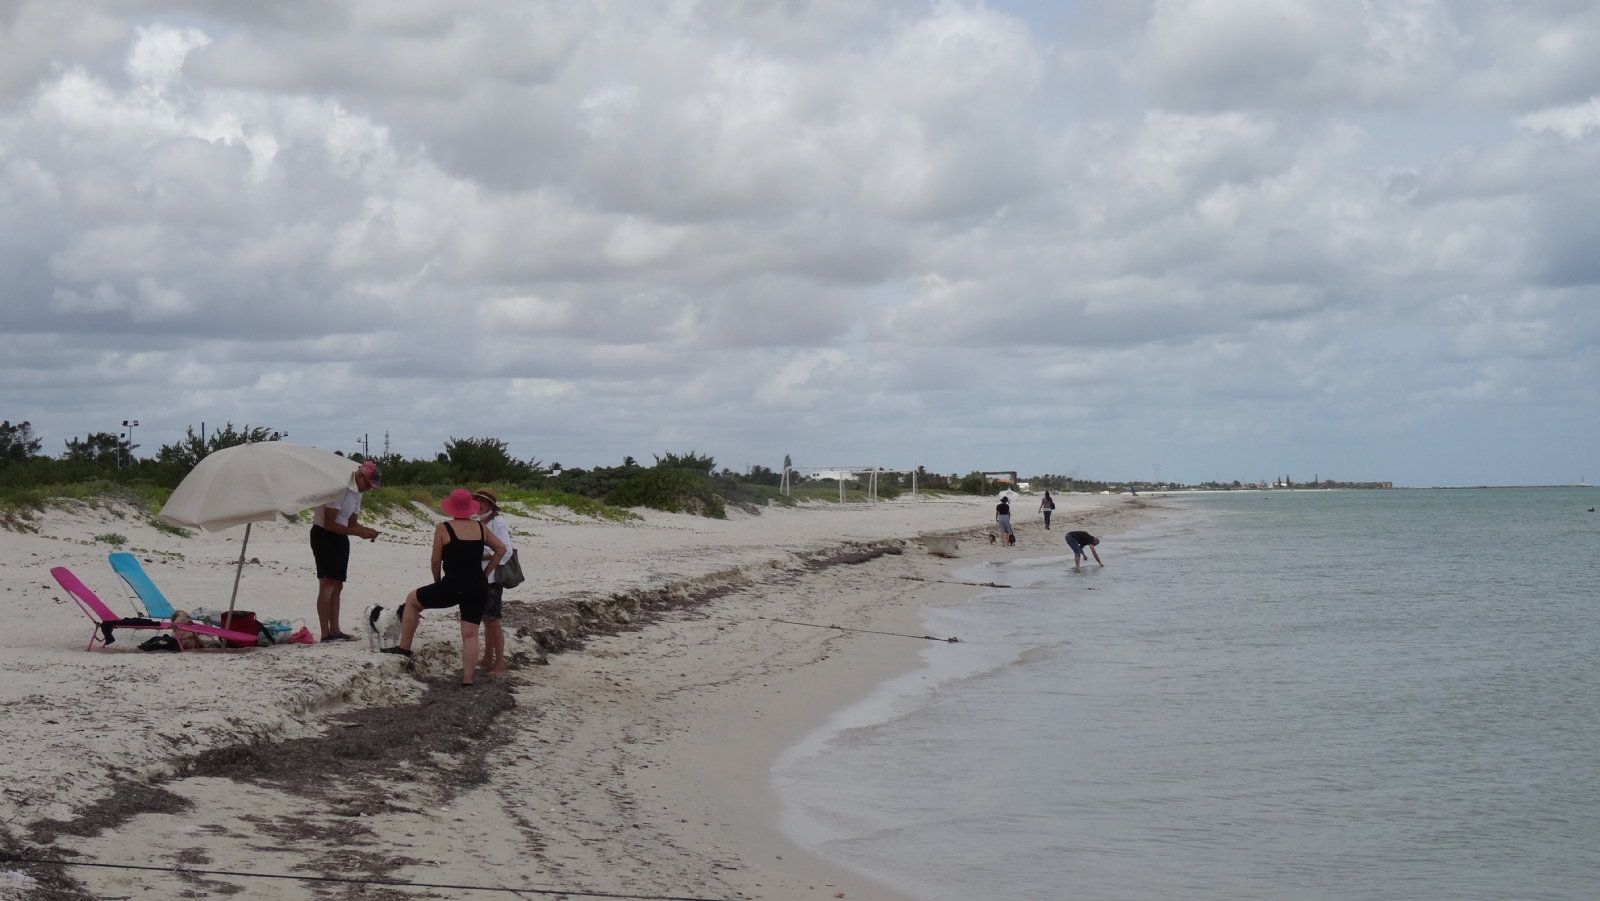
(469, 597)
(332, 553)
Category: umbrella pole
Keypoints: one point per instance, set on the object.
(227, 621)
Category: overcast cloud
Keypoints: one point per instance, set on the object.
(1235, 238)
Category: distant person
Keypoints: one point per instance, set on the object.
(1083, 544)
(331, 528)
(1047, 507)
(494, 638)
(458, 579)
(1002, 517)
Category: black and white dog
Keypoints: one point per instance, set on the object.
(382, 624)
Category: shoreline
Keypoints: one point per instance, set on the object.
(1106, 519)
(685, 714)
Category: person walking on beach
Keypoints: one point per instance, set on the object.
(1083, 544)
(458, 579)
(1002, 518)
(331, 528)
(494, 638)
(1047, 507)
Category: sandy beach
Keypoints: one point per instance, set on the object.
(629, 752)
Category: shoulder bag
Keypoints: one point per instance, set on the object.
(509, 573)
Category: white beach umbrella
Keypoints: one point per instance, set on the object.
(254, 483)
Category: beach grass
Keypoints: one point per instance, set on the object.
(854, 492)
(21, 505)
(389, 500)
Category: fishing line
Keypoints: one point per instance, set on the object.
(951, 640)
(346, 880)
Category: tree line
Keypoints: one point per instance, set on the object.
(106, 456)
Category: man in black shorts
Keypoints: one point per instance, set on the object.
(331, 528)
(1083, 544)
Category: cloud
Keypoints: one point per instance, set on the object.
(1296, 54)
(817, 227)
(1573, 122)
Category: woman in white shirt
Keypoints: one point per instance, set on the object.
(494, 638)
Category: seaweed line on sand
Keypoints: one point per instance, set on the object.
(442, 737)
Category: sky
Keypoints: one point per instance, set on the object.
(1232, 239)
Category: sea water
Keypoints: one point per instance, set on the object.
(1284, 695)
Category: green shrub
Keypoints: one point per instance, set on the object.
(156, 523)
(112, 538)
(691, 461)
(672, 490)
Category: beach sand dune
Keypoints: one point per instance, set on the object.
(637, 760)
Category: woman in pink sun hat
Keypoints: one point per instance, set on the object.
(458, 578)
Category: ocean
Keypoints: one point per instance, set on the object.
(1284, 695)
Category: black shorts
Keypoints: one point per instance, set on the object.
(332, 553)
(491, 610)
(471, 597)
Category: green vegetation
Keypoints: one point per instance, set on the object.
(100, 469)
(672, 490)
(155, 523)
(193, 448)
(112, 538)
(390, 499)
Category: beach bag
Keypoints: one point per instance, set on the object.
(207, 616)
(303, 636)
(243, 621)
(159, 643)
(509, 573)
(278, 630)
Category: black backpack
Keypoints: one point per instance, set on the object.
(160, 643)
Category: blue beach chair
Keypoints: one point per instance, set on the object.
(157, 606)
(148, 596)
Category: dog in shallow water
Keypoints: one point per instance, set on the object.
(382, 624)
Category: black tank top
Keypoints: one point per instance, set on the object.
(463, 560)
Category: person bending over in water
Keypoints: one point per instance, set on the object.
(1082, 544)
(458, 579)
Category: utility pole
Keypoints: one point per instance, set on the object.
(128, 424)
(386, 442)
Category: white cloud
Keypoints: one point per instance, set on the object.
(1573, 122)
(827, 226)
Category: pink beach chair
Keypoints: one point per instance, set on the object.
(105, 620)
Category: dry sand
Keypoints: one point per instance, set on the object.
(637, 761)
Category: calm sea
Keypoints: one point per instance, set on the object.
(1295, 695)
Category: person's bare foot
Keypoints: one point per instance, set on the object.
(498, 671)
